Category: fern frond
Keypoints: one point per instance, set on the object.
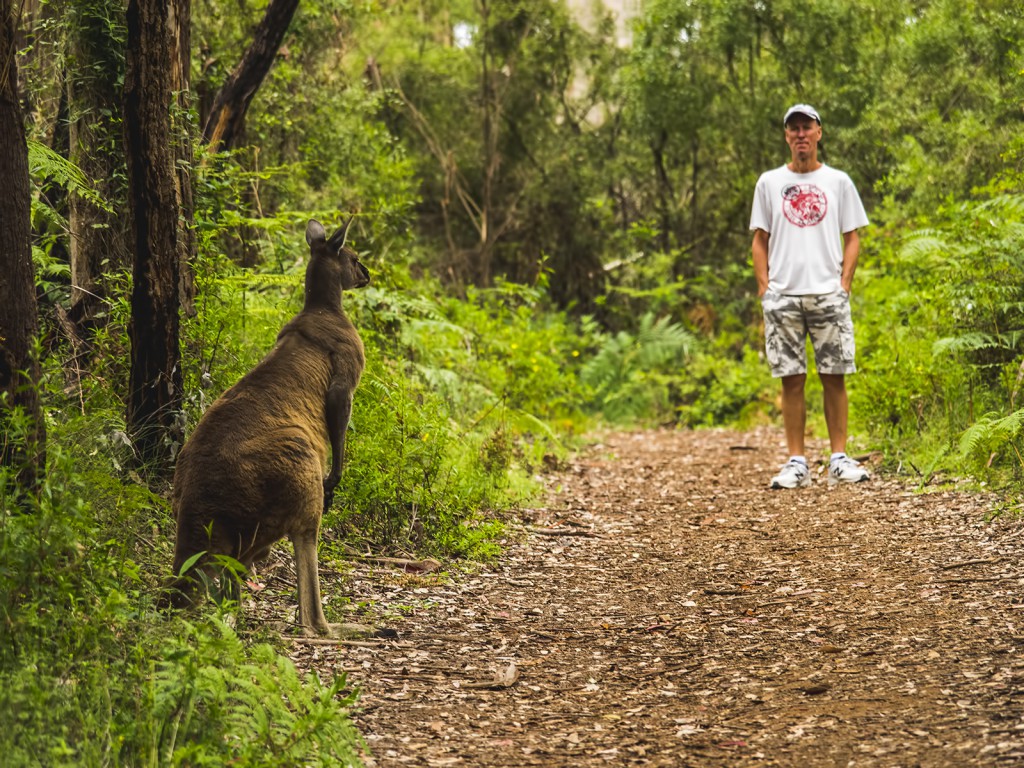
(44, 163)
(44, 214)
(925, 245)
(1003, 207)
(442, 380)
(607, 366)
(618, 373)
(968, 342)
(991, 432)
(661, 341)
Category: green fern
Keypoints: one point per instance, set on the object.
(44, 163)
(992, 433)
(624, 373)
(624, 355)
(212, 701)
(967, 342)
(926, 245)
(660, 342)
(1007, 207)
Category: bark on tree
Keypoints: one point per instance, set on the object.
(182, 128)
(99, 237)
(19, 366)
(154, 416)
(226, 120)
(491, 160)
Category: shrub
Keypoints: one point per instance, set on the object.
(91, 674)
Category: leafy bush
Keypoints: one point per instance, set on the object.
(719, 390)
(461, 401)
(90, 674)
(942, 341)
(632, 374)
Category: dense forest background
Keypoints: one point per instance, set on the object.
(556, 227)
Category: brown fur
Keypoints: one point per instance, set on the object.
(253, 470)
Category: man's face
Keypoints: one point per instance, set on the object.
(802, 134)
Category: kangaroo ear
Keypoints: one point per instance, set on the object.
(338, 239)
(315, 232)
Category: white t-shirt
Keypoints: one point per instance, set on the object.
(806, 215)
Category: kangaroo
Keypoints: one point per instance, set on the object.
(252, 472)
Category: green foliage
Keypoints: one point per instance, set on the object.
(942, 339)
(90, 674)
(51, 170)
(211, 700)
(502, 173)
(331, 155)
(719, 389)
(556, 229)
(946, 110)
(44, 163)
(460, 403)
(631, 373)
(590, 177)
(993, 434)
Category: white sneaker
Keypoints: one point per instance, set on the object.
(794, 474)
(846, 470)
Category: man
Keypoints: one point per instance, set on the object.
(805, 219)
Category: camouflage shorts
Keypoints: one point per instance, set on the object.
(789, 320)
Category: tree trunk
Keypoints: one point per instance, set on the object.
(666, 194)
(154, 417)
(19, 366)
(99, 238)
(182, 127)
(224, 125)
(489, 144)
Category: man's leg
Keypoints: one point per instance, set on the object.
(794, 412)
(842, 469)
(837, 407)
(785, 347)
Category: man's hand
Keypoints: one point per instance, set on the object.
(759, 251)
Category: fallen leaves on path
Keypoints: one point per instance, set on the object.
(665, 609)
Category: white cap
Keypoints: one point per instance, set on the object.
(802, 109)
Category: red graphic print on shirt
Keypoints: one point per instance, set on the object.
(804, 204)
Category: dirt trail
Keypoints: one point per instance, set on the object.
(666, 609)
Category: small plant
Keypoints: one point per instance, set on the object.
(994, 437)
(630, 374)
(210, 700)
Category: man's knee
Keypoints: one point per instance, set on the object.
(833, 382)
(794, 383)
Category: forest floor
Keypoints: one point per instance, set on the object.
(664, 608)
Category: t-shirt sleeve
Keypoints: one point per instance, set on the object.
(761, 211)
(852, 213)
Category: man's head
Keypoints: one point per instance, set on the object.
(803, 132)
(801, 110)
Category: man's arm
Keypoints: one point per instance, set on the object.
(851, 252)
(760, 252)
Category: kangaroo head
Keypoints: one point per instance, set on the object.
(342, 260)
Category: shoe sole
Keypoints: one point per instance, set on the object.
(777, 486)
(834, 481)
